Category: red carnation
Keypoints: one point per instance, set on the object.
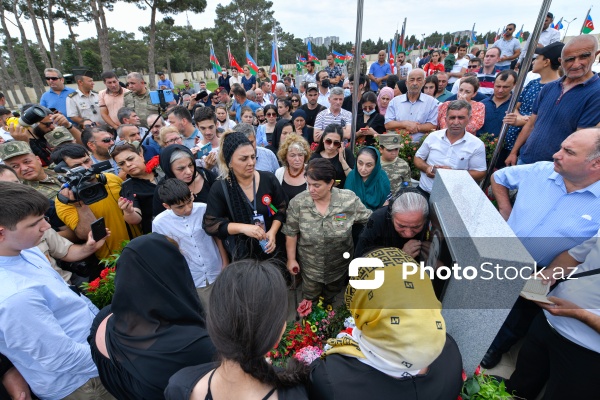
(94, 285)
(464, 376)
(478, 370)
(104, 273)
(304, 308)
(151, 164)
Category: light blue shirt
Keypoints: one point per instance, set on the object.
(190, 142)
(266, 160)
(44, 326)
(59, 101)
(165, 82)
(546, 218)
(424, 110)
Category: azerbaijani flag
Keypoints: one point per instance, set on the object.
(519, 35)
(486, 43)
(588, 25)
(301, 59)
(349, 56)
(274, 75)
(252, 64)
(232, 62)
(392, 56)
(216, 67)
(338, 57)
(311, 56)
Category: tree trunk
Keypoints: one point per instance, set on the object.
(38, 35)
(102, 29)
(151, 45)
(50, 36)
(12, 56)
(36, 80)
(7, 83)
(73, 38)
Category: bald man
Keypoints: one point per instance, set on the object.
(563, 106)
(414, 111)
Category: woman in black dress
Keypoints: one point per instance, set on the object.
(293, 154)
(177, 161)
(369, 121)
(246, 208)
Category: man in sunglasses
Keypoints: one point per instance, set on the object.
(56, 96)
(83, 103)
(98, 141)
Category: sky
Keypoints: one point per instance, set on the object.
(314, 18)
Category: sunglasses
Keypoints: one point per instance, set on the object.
(473, 66)
(295, 101)
(52, 78)
(368, 108)
(93, 124)
(104, 140)
(271, 114)
(336, 143)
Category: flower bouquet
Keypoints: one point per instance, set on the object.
(483, 387)
(101, 290)
(304, 339)
(490, 142)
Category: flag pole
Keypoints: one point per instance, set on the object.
(585, 20)
(276, 49)
(356, 72)
(535, 35)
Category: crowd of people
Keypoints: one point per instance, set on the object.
(229, 198)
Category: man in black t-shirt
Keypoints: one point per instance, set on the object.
(312, 108)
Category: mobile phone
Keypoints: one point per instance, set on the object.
(345, 143)
(161, 96)
(204, 150)
(128, 194)
(263, 244)
(98, 229)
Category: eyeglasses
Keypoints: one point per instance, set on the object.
(175, 140)
(473, 66)
(104, 140)
(271, 114)
(52, 78)
(336, 143)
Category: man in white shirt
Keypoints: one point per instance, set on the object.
(460, 66)
(451, 148)
(548, 36)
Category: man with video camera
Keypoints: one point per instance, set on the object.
(34, 123)
(85, 197)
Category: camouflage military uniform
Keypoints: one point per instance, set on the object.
(49, 187)
(323, 239)
(141, 104)
(398, 171)
(363, 67)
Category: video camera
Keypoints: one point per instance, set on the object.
(78, 180)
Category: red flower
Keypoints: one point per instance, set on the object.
(314, 146)
(459, 398)
(464, 376)
(304, 308)
(93, 286)
(104, 273)
(151, 164)
(478, 370)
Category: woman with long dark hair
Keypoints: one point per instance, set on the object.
(177, 161)
(332, 147)
(246, 209)
(246, 319)
(264, 132)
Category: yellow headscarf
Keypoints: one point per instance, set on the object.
(399, 326)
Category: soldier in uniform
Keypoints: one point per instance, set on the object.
(29, 169)
(350, 64)
(83, 103)
(138, 98)
(397, 170)
(58, 136)
(318, 232)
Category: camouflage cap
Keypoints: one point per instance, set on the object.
(58, 136)
(14, 148)
(390, 141)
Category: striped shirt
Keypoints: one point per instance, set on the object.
(326, 117)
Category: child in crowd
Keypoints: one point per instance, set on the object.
(182, 222)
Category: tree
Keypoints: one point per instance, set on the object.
(100, 21)
(38, 34)
(252, 18)
(73, 11)
(165, 7)
(44, 10)
(36, 79)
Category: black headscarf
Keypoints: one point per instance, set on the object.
(277, 133)
(165, 160)
(157, 326)
(241, 211)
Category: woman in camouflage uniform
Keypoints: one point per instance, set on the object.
(318, 232)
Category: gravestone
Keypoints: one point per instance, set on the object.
(464, 220)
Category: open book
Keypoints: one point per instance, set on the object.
(536, 290)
